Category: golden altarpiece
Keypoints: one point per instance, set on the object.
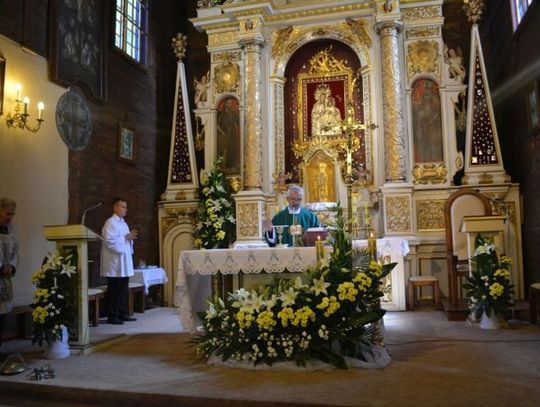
(285, 74)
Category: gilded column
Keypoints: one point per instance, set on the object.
(279, 124)
(394, 129)
(253, 174)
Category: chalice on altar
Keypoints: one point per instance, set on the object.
(280, 229)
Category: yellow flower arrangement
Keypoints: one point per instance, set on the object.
(52, 307)
(326, 314)
(488, 287)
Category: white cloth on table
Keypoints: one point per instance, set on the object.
(193, 281)
(192, 291)
(149, 277)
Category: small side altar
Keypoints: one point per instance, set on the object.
(195, 268)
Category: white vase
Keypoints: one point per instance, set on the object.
(59, 348)
(491, 322)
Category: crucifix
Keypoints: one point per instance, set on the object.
(349, 126)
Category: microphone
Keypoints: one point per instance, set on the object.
(88, 210)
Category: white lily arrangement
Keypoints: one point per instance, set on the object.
(215, 226)
(53, 306)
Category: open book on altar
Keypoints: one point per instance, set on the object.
(314, 234)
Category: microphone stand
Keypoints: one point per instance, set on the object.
(88, 210)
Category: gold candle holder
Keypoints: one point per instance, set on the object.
(319, 250)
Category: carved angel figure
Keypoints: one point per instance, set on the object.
(201, 90)
(454, 59)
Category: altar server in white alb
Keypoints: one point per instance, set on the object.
(117, 262)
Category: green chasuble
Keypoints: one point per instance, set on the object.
(306, 218)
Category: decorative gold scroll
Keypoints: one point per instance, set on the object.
(429, 173)
(423, 57)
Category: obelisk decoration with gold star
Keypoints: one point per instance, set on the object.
(483, 159)
(182, 181)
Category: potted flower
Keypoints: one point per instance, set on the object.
(53, 308)
(215, 226)
(329, 314)
(488, 286)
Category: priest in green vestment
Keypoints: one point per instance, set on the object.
(291, 215)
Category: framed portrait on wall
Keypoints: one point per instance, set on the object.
(78, 49)
(533, 107)
(126, 145)
(2, 77)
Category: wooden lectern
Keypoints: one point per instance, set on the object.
(74, 239)
(491, 226)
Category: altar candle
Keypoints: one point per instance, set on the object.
(55, 282)
(319, 250)
(372, 246)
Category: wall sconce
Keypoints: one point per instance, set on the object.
(18, 119)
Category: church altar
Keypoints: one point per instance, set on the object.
(360, 102)
(195, 268)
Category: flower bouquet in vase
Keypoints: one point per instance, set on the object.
(488, 286)
(53, 309)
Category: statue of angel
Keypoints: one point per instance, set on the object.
(454, 59)
(201, 90)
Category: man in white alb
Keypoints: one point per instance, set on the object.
(117, 262)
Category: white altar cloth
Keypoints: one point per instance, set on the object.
(148, 277)
(193, 281)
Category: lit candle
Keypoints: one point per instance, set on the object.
(18, 88)
(40, 107)
(372, 246)
(26, 102)
(319, 250)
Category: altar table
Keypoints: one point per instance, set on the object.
(195, 267)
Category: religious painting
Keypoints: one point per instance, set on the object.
(2, 77)
(78, 45)
(322, 101)
(126, 144)
(320, 179)
(426, 121)
(533, 107)
(228, 135)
